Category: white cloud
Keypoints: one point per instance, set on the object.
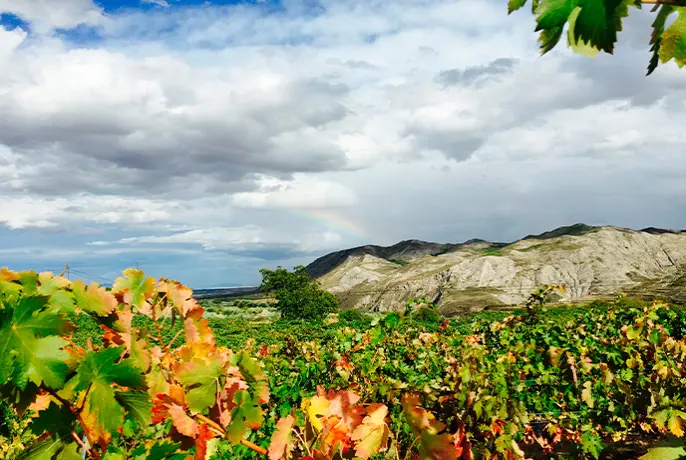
(208, 238)
(237, 239)
(45, 15)
(300, 193)
(27, 212)
(161, 3)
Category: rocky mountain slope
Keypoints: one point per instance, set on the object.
(591, 262)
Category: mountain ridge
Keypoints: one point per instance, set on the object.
(590, 260)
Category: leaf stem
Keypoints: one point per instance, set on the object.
(172, 340)
(80, 443)
(665, 2)
(255, 447)
(222, 432)
(307, 448)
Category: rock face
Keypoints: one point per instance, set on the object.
(591, 262)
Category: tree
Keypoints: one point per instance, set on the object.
(593, 26)
(298, 295)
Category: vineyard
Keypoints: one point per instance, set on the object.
(138, 372)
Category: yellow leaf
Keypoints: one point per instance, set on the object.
(675, 425)
(315, 408)
(587, 393)
(372, 434)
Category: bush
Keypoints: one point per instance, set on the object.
(426, 315)
(298, 296)
(352, 315)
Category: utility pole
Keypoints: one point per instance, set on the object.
(65, 272)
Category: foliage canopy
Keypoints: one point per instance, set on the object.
(593, 26)
(298, 296)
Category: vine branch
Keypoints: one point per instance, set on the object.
(665, 2)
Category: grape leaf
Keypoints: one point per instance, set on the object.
(10, 288)
(592, 444)
(675, 422)
(52, 448)
(137, 288)
(202, 441)
(202, 375)
(54, 288)
(197, 328)
(23, 356)
(372, 434)
(56, 420)
(673, 40)
(432, 444)
(102, 366)
(282, 439)
(164, 451)
(137, 404)
(656, 37)
(94, 298)
(587, 394)
(514, 5)
(252, 373)
(186, 425)
(553, 13)
(599, 21)
(97, 372)
(246, 414)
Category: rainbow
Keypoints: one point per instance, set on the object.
(332, 222)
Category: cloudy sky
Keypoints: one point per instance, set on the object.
(204, 140)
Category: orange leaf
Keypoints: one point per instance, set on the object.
(186, 425)
(197, 328)
(41, 402)
(282, 439)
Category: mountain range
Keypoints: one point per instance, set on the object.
(591, 262)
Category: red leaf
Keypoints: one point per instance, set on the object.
(204, 435)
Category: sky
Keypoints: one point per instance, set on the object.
(204, 140)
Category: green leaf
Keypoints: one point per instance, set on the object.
(514, 5)
(592, 444)
(30, 349)
(97, 372)
(56, 419)
(549, 38)
(101, 401)
(52, 448)
(202, 377)
(673, 40)
(656, 38)
(669, 450)
(579, 46)
(164, 451)
(654, 337)
(102, 366)
(246, 414)
(137, 404)
(553, 13)
(599, 21)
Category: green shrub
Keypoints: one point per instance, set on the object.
(298, 296)
(352, 315)
(426, 315)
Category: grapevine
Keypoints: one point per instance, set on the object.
(156, 383)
